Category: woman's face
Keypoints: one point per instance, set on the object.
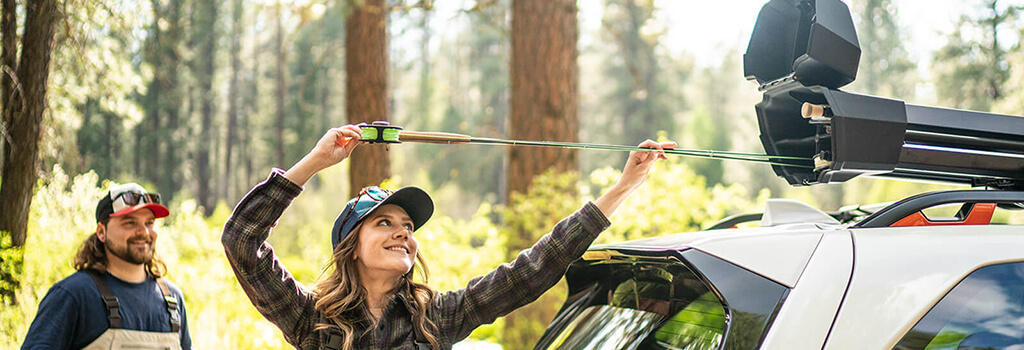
(387, 248)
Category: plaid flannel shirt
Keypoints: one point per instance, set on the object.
(290, 305)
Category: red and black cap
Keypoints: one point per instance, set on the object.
(126, 199)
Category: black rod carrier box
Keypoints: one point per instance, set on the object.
(802, 51)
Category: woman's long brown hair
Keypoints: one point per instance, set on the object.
(92, 255)
(342, 298)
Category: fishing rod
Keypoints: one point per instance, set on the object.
(383, 132)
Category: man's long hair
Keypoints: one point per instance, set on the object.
(342, 298)
(93, 255)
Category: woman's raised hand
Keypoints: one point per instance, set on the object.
(336, 145)
(640, 162)
(634, 173)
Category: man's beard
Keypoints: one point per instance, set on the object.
(134, 256)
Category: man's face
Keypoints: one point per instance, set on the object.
(130, 237)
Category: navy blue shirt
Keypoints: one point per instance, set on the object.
(72, 314)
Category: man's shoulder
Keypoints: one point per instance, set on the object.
(76, 288)
(77, 282)
(172, 286)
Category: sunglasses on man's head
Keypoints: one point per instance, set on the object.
(132, 198)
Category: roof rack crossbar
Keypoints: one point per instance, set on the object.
(899, 210)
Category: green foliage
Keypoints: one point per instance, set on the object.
(885, 67)
(90, 94)
(529, 216)
(634, 91)
(673, 199)
(11, 268)
(551, 197)
(972, 67)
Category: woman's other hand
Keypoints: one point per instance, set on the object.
(638, 165)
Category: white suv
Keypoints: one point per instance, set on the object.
(894, 278)
(805, 280)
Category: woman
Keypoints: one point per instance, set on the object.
(369, 300)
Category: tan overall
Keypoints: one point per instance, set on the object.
(117, 338)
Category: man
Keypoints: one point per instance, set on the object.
(117, 299)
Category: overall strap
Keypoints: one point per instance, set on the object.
(332, 339)
(113, 306)
(172, 305)
(421, 340)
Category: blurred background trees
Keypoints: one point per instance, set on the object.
(199, 99)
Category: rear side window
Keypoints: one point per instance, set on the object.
(984, 311)
(662, 304)
(690, 317)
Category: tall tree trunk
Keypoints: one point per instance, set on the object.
(280, 87)
(366, 85)
(9, 60)
(20, 168)
(544, 78)
(10, 278)
(233, 96)
(21, 154)
(207, 30)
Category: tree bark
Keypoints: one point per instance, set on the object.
(9, 60)
(20, 168)
(366, 86)
(544, 87)
(544, 79)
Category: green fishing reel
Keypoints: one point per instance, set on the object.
(380, 132)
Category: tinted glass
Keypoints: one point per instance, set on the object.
(650, 306)
(693, 301)
(984, 311)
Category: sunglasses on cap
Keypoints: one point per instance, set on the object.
(128, 199)
(374, 193)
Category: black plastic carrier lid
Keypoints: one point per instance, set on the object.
(814, 41)
(802, 51)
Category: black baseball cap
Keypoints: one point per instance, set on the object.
(413, 200)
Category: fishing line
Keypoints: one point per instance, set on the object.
(381, 132)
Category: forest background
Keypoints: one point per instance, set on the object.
(199, 99)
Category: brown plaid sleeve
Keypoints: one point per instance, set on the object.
(269, 285)
(513, 285)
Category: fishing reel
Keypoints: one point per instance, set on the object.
(380, 132)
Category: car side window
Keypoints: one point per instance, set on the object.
(984, 311)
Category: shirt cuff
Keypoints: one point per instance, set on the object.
(278, 182)
(593, 219)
